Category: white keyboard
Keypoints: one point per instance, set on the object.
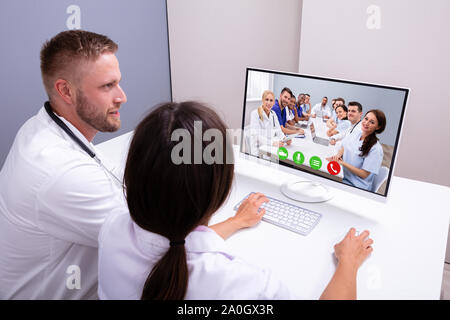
(288, 216)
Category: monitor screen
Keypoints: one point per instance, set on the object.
(344, 131)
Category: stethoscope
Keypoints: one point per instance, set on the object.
(80, 143)
(273, 118)
(355, 126)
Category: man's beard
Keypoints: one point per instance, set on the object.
(89, 114)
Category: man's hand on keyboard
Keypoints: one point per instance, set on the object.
(250, 211)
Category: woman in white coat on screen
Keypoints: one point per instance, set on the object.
(264, 125)
(163, 247)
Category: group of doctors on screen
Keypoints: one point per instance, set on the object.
(352, 132)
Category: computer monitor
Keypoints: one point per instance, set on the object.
(353, 147)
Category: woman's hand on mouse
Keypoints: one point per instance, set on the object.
(350, 252)
(354, 249)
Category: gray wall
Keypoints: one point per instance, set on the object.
(138, 26)
(403, 43)
(389, 101)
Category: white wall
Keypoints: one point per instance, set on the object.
(447, 256)
(410, 49)
(212, 42)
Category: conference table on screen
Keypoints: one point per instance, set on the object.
(409, 231)
(308, 148)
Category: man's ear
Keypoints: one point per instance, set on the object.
(65, 90)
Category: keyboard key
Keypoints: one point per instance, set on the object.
(288, 216)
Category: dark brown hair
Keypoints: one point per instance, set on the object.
(287, 90)
(59, 53)
(343, 108)
(371, 139)
(357, 104)
(340, 99)
(170, 199)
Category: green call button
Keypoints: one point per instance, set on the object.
(315, 163)
(282, 153)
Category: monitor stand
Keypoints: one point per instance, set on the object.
(306, 191)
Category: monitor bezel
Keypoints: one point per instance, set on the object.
(310, 176)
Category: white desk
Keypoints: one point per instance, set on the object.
(410, 234)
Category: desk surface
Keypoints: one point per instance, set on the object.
(410, 233)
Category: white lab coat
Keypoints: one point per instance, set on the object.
(127, 254)
(342, 134)
(53, 201)
(320, 111)
(263, 132)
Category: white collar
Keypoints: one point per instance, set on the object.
(201, 240)
(71, 127)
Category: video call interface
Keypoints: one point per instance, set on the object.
(341, 130)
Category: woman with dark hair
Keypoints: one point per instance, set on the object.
(361, 154)
(341, 124)
(163, 249)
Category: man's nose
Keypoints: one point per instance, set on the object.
(122, 97)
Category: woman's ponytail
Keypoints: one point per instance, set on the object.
(168, 279)
(367, 144)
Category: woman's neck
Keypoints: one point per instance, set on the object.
(363, 136)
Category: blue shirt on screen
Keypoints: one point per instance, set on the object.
(280, 114)
(299, 111)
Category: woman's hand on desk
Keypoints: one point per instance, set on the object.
(350, 252)
(337, 158)
(281, 143)
(353, 249)
(248, 214)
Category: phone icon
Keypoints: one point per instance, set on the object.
(334, 168)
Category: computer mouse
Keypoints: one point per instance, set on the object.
(338, 239)
(342, 235)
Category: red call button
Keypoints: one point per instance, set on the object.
(334, 168)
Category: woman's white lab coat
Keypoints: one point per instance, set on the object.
(265, 131)
(127, 254)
